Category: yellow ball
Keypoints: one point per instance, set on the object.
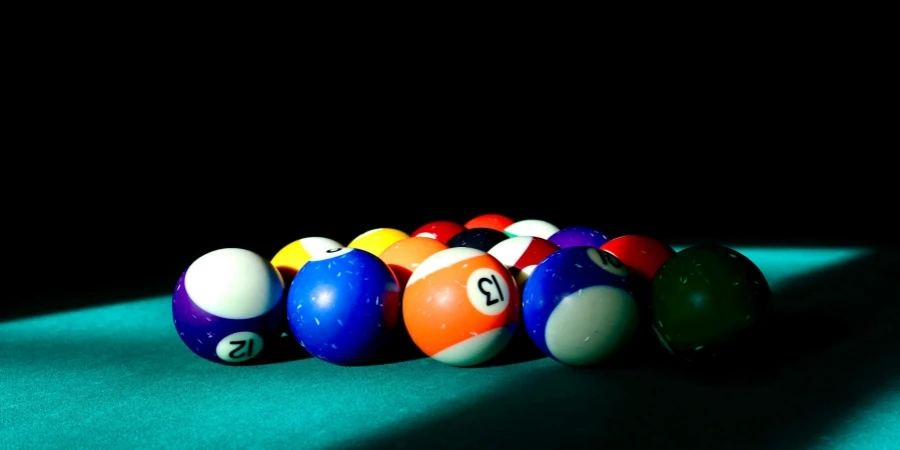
(293, 256)
(377, 240)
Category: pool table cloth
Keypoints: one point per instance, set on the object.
(118, 376)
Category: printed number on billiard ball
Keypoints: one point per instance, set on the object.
(239, 346)
(487, 291)
(332, 253)
(609, 262)
(488, 294)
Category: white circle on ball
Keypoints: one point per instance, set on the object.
(318, 245)
(233, 283)
(330, 253)
(608, 262)
(239, 347)
(426, 234)
(591, 325)
(488, 291)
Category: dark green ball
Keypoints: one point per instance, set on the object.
(706, 299)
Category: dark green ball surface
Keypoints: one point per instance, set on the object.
(707, 298)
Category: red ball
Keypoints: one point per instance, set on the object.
(441, 230)
(642, 255)
(492, 221)
(522, 254)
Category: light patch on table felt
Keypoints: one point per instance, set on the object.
(782, 264)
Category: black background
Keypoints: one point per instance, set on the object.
(128, 231)
(126, 161)
(123, 181)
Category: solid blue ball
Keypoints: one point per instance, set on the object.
(578, 307)
(343, 306)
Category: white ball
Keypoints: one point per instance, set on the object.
(233, 283)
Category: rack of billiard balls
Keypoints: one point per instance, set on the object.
(460, 292)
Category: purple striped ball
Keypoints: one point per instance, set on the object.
(228, 305)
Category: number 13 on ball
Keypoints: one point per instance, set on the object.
(461, 306)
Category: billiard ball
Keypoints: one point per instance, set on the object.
(522, 254)
(493, 221)
(642, 255)
(531, 227)
(293, 256)
(707, 299)
(441, 230)
(577, 306)
(406, 255)
(482, 239)
(375, 241)
(228, 305)
(343, 306)
(578, 236)
(461, 306)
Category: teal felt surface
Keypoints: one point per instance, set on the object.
(118, 376)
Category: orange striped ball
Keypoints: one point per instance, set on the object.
(461, 306)
(406, 255)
